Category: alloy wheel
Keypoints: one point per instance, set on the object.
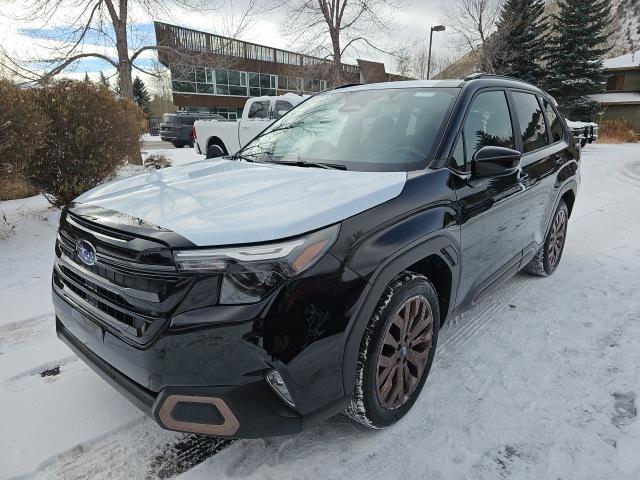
(405, 352)
(556, 239)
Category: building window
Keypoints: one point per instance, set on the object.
(228, 113)
(205, 88)
(289, 84)
(231, 82)
(182, 73)
(186, 87)
(201, 76)
(261, 84)
(615, 82)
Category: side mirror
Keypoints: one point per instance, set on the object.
(281, 112)
(493, 161)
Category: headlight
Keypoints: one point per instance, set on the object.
(251, 272)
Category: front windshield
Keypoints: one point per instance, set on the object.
(392, 129)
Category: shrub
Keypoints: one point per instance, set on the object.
(13, 186)
(157, 161)
(616, 131)
(22, 130)
(91, 133)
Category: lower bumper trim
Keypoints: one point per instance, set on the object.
(229, 426)
(246, 411)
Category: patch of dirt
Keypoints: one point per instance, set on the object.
(51, 372)
(184, 454)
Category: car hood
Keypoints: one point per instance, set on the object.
(225, 202)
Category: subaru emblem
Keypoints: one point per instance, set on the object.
(86, 252)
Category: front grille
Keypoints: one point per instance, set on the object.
(132, 289)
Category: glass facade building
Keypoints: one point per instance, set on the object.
(218, 74)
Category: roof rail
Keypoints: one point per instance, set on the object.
(476, 75)
(346, 85)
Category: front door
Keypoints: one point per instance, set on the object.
(493, 211)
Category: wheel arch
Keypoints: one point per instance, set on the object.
(217, 141)
(436, 258)
(569, 197)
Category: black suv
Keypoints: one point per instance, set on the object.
(177, 128)
(310, 273)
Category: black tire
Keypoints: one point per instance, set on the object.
(178, 144)
(547, 259)
(214, 150)
(368, 405)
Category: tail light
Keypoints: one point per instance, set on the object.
(193, 133)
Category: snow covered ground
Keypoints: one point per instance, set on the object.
(541, 380)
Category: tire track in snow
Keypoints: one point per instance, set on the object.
(139, 449)
(21, 333)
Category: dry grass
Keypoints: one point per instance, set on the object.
(12, 188)
(157, 161)
(616, 131)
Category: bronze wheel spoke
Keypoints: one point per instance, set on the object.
(399, 384)
(422, 337)
(556, 237)
(405, 351)
(409, 380)
(418, 358)
(385, 387)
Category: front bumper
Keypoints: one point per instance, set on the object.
(238, 403)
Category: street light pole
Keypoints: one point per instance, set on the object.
(437, 28)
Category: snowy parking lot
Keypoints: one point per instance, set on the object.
(540, 381)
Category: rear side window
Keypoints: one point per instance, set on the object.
(531, 120)
(259, 109)
(553, 120)
(280, 108)
(488, 123)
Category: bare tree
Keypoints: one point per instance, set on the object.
(412, 56)
(107, 23)
(473, 22)
(331, 27)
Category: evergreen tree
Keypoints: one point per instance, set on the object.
(140, 94)
(103, 80)
(86, 77)
(575, 55)
(520, 40)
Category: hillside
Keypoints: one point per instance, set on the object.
(627, 27)
(625, 37)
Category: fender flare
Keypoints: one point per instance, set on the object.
(215, 140)
(570, 184)
(435, 244)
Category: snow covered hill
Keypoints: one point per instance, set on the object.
(627, 27)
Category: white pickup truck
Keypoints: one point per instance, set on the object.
(215, 138)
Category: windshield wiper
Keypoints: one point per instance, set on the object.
(239, 156)
(300, 163)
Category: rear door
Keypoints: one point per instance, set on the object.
(280, 108)
(542, 144)
(492, 211)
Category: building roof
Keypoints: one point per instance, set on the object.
(617, 98)
(623, 62)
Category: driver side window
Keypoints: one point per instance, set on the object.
(488, 123)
